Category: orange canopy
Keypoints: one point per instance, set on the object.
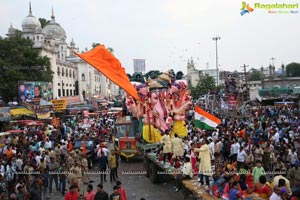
(106, 63)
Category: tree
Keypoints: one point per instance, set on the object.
(206, 84)
(95, 44)
(293, 69)
(20, 62)
(44, 22)
(111, 50)
(255, 76)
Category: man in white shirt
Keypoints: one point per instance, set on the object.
(38, 158)
(275, 137)
(211, 147)
(102, 148)
(241, 158)
(234, 150)
(48, 144)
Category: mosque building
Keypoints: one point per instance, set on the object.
(72, 76)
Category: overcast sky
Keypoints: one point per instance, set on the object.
(168, 32)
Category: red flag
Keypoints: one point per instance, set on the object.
(106, 63)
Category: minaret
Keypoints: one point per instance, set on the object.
(72, 48)
(282, 70)
(270, 70)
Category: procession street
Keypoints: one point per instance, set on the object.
(136, 185)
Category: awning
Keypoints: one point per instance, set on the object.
(21, 111)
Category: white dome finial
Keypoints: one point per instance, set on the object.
(52, 15)
(30, 11)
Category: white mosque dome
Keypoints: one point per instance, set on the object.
(53, 30)
(30, 23)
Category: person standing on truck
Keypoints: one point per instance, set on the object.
(205, 162)
(177, 148)
(167, 145)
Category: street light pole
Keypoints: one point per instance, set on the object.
(217, 65)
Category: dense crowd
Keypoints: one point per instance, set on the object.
(43, 160)
(254, 157)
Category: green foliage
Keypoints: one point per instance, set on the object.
(293, 70)
(111, 50)
(20, 62)
(206, 84)
(153, 74)
(255, 76)
(44, 22)
(95, 44)
(137, 77)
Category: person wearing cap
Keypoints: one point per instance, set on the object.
(70, 160)
(71, 178)
(78, 174)
(53, 167)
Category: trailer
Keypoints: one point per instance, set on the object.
(159, 172)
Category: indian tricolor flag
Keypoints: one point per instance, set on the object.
(204, 120)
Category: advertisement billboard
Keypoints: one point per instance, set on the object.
(33, 91)
(60, 104)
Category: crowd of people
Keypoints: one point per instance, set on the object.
(42, 160)
(254, 157)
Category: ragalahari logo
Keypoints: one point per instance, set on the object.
(246, 8)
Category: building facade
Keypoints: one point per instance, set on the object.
(139, 65)
(72, 76)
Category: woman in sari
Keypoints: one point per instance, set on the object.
(262, 188)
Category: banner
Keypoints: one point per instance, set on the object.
(72, 100)
(232, 100)
(127, 143)
(38, 108)
(5, 114)
(60, 104)
(43, 115)
(33, 91)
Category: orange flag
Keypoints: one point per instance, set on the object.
(106, 63)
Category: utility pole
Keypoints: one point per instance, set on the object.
(217, 64)
(245, 73)
(246, 83)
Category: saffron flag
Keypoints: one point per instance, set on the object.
(204, 120)
(106, 63)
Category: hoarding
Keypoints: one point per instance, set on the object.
(33, 91)
(60, 104)
(72, 100)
